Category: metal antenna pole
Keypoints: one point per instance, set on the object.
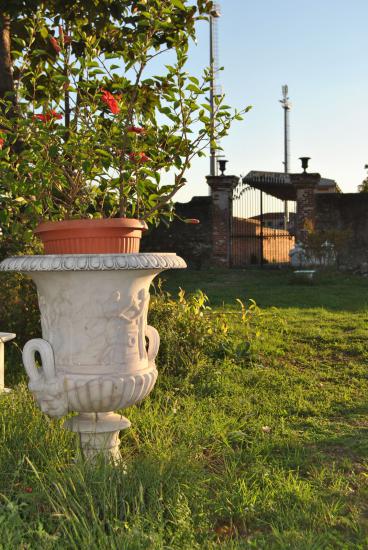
(215, 14)
(286, 105)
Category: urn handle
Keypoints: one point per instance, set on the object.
(153, 343)
(47, 358)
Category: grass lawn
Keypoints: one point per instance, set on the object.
(266, 451)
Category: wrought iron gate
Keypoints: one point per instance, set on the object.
(263, 227)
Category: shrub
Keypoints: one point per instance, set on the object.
(19, 313)
(325, 247)
(192, 335)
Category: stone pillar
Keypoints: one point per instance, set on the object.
(222, 212)
(4, 337)
(305, 185)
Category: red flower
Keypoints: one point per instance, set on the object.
(40, 117)
(192, 220)
(50, 115)
(28, 490)
(2, 141)
(53, 114)
(55, 44)
(136, 129)
(110, 101)
(138, 157)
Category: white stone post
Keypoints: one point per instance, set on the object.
(4, 337)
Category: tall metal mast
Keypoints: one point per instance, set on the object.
(214, 88)
(286, 105)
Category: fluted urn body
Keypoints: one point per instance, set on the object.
(97, 351)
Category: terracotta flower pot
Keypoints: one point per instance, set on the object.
(101, 236)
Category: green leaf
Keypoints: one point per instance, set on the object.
(40, 52)
(44, 32)
(53, 151)
(193, 88)
(103, 153)
(194, 80)
(95, 72)
(178, 4)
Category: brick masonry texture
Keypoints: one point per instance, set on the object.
(305, 209)
(222, 191)
(191, 242)
(348, 213)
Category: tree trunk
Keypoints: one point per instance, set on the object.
(6, 67)
(66, 73)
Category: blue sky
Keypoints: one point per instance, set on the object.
(317, 47)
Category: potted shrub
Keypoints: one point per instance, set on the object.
(86, 134)
(91, 132)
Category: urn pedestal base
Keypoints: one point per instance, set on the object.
(98, 434)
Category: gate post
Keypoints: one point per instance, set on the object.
(222, 213)
(305, 185)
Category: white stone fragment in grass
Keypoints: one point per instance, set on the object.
(4, 337)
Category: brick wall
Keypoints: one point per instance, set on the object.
(348, 213)
(207, 243)
(191, 242)
(306, 210)
(221, 212)
(221, 194)
(305, 185)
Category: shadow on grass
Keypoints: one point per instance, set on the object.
(345, 452)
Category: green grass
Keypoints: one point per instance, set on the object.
(269, 451)
(271, 287)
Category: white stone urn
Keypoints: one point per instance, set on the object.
(97, 351)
